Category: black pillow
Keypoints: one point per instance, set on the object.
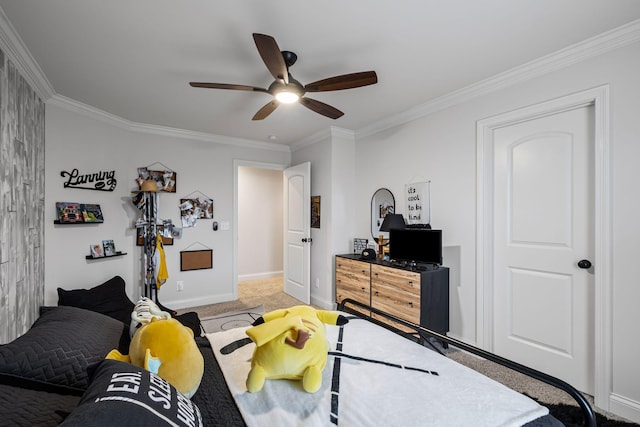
(109, 298)
(60, 345)
(24, 407)
(192, 321)
(122, 394)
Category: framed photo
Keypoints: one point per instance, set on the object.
(96, 251)
(315, 211)
(109, 247)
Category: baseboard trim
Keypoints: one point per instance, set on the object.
(260, 276)
(197, 302)
(624, 407)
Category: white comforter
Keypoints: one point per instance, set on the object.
(382, 380)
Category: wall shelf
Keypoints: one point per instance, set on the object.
(106, 256)
(57, 221)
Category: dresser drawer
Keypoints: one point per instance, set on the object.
(405, 305)
(353, 280)
(396, 279)
(348, 287)
(357, 269)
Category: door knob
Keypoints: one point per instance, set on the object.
(306, 240)
(584, 263)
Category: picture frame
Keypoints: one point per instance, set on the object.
(315, 211)
(359, 245)
(97, 251)
(109, 247)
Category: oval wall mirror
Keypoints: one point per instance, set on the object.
(382, 203)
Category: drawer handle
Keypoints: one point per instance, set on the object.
(376, 293)
(410, 303)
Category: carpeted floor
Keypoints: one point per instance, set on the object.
(270, 295)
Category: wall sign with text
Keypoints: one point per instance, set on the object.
(101, 181)
(418, 204)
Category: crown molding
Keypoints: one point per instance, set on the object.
(16, 51)
(117, 121)
(606, 42)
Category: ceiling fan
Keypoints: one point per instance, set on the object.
(286, 89)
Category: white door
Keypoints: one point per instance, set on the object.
(297, 226)
(543, 226)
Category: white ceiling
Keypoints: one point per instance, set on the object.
(134, 58)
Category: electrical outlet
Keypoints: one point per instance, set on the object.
(317, 283)
(180, 286)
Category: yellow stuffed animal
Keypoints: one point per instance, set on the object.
(291, 344)
(166, 348)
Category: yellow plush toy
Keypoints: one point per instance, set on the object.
(291, 344)
(166, 348)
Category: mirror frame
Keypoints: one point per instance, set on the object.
(382, 203)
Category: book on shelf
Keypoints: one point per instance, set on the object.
(68, 212)
(91, 212)
(73, 212)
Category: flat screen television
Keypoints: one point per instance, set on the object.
(419, 245)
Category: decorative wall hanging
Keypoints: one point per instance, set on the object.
(72, 212)
(167, 241)
(315, 211)
(194, 208)
(417, 196)
(101, 181)
(164, 179)
(196, 259)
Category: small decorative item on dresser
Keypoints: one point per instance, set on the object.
(359, 245)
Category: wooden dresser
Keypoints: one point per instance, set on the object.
(418, 295)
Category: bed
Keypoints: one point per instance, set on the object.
(56, 373)
(374, 376)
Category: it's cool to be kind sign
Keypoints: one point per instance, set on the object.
(417, 197)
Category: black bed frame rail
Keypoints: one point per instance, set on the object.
(587, 411)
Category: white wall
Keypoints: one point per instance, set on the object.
(441, 147)
(94, 142)
(260, 219)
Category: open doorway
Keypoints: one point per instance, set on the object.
(260, 228)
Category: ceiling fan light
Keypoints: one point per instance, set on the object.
(287, 97)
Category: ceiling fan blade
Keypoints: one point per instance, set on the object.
(271, 56)
(227, 86)
(266, 110)
(345, 81)
(321, 108)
